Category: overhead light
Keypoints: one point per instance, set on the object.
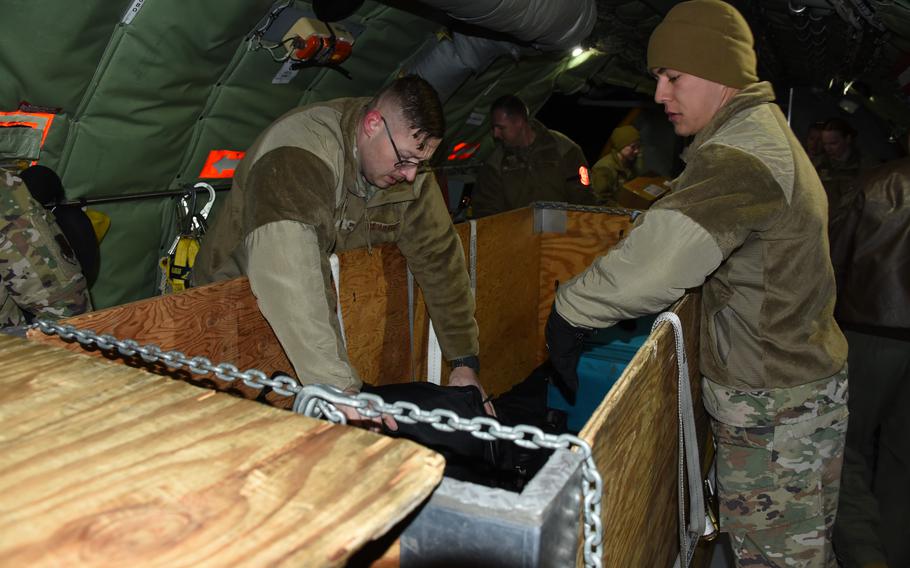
(847, 86)
(577, 51)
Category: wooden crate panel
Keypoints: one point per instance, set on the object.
(104, 465)
(508, 268)
(633, 434)
(507, 265)
(374, 307)
(220, 321)
(564, 255)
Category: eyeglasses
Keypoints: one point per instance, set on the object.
(401, 164)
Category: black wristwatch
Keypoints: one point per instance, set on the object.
(471, 361)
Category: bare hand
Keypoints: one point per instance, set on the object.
(355, 418)
(466, 377)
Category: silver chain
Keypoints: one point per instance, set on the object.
(561, 206)
(319, 401)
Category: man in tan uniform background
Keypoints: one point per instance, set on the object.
(334, 176)
(746, 218)
(530, 163)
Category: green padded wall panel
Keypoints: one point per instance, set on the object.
(144, 102)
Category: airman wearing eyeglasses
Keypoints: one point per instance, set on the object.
(331, 177)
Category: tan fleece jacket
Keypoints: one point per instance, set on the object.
(297, 197)
(747, 218)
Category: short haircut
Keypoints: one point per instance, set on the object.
(511, 106)
(419, 104)
(840, 125)
(818, 125)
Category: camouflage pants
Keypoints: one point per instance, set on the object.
(779, 456)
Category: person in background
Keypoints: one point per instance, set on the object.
(839, 143)
(530, 163)
(39, 272)
(746, 220)
(330, 177)
(620, 165)
(839, 169)
(872, 260)
(814, 147)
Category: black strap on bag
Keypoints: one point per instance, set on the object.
(467, 458)
(526, 403)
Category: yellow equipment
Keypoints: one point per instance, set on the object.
(177, 266)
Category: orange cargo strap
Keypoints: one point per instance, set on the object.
(221, 164)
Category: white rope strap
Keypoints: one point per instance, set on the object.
(688, 462)
(336, 278)
(434, 351)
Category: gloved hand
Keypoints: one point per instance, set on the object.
(565, 343)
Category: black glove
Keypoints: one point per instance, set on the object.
(565, 343)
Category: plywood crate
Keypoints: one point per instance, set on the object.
(521, 257)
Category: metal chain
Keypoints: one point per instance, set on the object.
(323, 400)
(561, 206)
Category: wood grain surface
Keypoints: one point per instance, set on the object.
(633, 434)
(508, 267)
(564, 255)
(103, 465)
(220, 321)
(374, 307)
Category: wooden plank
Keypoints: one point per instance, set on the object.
(633, 434)
(508, 267)
(105, 465)
(374, 307)
(564, 255)
(220, 321)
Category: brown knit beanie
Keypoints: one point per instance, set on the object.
(705, 38)
(623, 136)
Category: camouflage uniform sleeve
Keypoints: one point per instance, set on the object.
(39, 270)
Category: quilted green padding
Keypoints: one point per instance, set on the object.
(49, 59)
(144, 103)
(130, 251)
(149, 91)
(48, 54)
(246, 101)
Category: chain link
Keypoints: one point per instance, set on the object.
(322, 401)
(560, 206)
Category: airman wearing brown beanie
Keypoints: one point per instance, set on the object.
(746, 221)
